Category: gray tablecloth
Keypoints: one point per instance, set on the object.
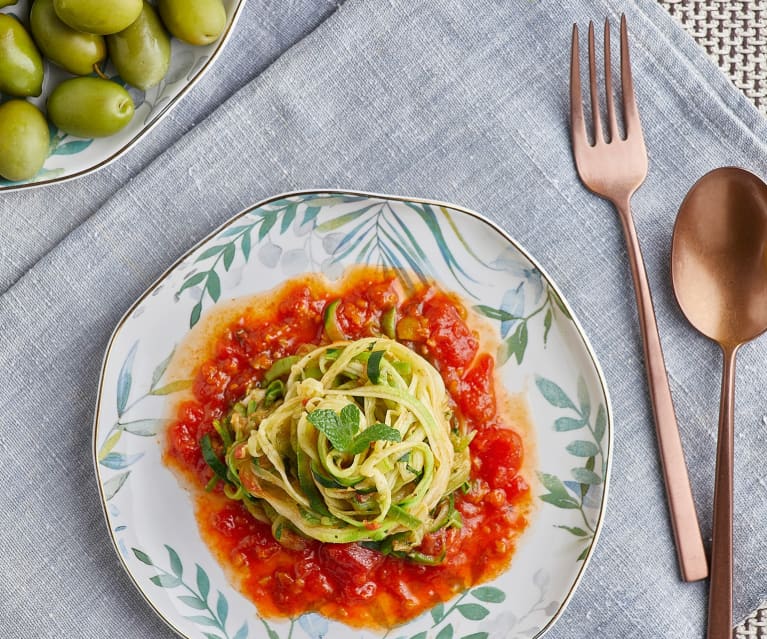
(455, 100)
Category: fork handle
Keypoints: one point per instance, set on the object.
(684, 519)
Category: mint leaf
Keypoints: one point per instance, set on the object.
(342, 429)
(373, 433)
(333, 427)
(350, 419)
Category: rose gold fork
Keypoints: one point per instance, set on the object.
(614, 169)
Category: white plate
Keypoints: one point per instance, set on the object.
(73, 157)
(544, 355)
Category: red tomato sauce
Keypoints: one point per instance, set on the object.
(349, 582)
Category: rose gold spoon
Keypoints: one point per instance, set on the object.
(719, 271)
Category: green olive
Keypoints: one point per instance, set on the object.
(90, 107)
(98, 16)
(194, 21)
(141, 53)
(21, 66)
(74, 51)
(7, 3)
(24, 140)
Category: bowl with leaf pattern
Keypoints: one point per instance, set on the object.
(70, 156)
(543, 355)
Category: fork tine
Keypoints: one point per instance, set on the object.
(611, 119)
(593, 85)
(577, 121)
(630, 111)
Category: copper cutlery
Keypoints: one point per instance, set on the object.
(719, 271)
(613, 167)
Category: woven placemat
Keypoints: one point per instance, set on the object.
(734, 34)
(754, 626)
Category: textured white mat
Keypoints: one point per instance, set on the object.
(734, 34)
(755, 625)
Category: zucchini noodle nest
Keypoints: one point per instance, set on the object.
(350, 442)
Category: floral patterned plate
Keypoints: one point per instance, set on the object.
(72, 157)
(543, 354)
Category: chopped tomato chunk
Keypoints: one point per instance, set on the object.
(477, 392)
(452, 339)
(349, 562)
(497, 458)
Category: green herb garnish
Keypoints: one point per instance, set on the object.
(343, 429)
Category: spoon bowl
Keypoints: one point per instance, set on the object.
(719, 274)
(719, 256)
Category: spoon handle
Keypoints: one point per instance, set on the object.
(720, 588)
(684, 518)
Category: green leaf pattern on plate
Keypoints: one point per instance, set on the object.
(62, 143)
(465, 606)
(516, 320)
(371, 233)
(196, 597)
(582, 491)
(108, 455)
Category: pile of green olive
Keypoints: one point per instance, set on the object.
(78, 36)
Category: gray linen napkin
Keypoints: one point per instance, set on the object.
(455, 100)
(34, 221)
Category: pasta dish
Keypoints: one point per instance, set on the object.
(349, 449)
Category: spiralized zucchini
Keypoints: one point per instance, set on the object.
(351, 442)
